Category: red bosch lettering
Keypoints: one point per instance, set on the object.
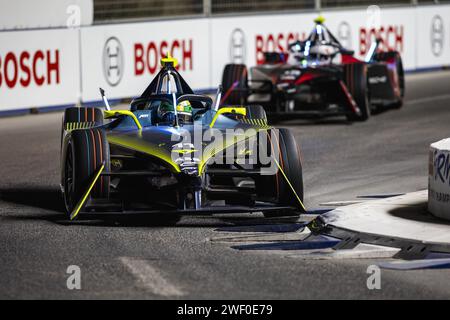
(27, 68)
(391, 38)
(148, 55)
(274, 42)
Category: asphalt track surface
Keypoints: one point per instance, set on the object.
(136, 258)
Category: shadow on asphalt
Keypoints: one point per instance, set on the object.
(49, 199)
(38, 197)
(150, 221)
(313, 121)
(417, 213)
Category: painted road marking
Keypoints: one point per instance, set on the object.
(315, 243)
(150, 278)
(267, 237)
(361, 251)
(339, 203)
(274, 228)
(386, 218)
(416, 264)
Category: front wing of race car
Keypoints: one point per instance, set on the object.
(87, 205)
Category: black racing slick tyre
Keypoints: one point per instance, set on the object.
(355, 75)
(86, 151)
(88, 117)
(81, 118)
(256, 115)
(394, 58)
(235, 84)
(256, 112)
(285, 187)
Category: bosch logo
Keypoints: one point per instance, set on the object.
(113, 61)
(437, 35)
(30, 68)
(237, 46)
(344, 34)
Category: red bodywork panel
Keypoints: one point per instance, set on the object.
(348, 59)
(306, 77)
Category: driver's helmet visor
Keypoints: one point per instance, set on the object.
(184, 111)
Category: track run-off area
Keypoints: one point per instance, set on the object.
(132, 257)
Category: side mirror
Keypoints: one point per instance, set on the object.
(105, 100)
(109, 114)
(218, 98)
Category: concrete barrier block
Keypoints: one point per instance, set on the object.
(439, 179)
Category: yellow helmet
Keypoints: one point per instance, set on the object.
(184, 111)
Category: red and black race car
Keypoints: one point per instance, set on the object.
(318, 77)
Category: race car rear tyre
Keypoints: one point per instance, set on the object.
(235, 84)
(400, 75)
(256, 112)
(86, 151)
(356, 82)
(286, 185)
(255, 115)
(395, 57)
(401, 79)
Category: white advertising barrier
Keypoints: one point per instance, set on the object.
(39, 68)
(439, 179)
(244, 39)
(26, 14)
(433, 36)
(124, 58)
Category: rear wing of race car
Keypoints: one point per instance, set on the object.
(275, 57)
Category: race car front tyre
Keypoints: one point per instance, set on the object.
(356, 82)
(86, 151)
(82, 118)
(235, 84)
(286, 185)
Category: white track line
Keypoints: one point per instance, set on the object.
(150, 278)
(428, 99)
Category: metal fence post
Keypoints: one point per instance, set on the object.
(207, 8)
(317, 5)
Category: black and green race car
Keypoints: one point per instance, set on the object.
(176, 152)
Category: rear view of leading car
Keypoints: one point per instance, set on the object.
(319, 77)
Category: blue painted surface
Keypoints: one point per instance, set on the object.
(417, 264)
(380, 196)
(318, 242)
(12, 113)
(276, 228)
(318, 211)
(24, 111)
